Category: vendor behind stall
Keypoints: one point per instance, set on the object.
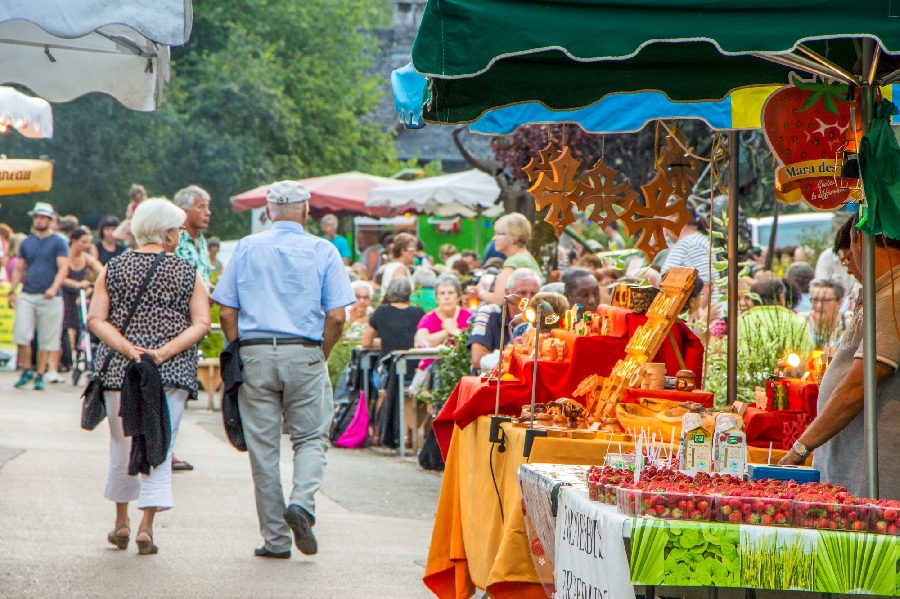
(581, 287)
(484, 332)
(836, 434)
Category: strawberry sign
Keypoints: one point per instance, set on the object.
(806, 124)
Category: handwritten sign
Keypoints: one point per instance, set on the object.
(591, 562)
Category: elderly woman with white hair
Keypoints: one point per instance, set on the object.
(167, 322)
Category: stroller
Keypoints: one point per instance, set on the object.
(84, 354)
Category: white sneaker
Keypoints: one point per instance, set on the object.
(53, 377)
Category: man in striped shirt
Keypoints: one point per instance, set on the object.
(692, 250)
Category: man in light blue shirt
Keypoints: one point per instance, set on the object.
(329, 224)
(283, 295)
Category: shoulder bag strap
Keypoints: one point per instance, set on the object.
(134, 306)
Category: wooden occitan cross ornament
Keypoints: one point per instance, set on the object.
(552, 189)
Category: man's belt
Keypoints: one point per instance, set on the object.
(276, 341)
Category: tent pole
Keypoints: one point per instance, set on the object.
(478, 233)
(870, 380)
(733, 169)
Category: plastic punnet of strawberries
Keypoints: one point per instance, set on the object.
(885, 517)
(603, 480)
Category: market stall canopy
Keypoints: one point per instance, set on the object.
(487, 54)
(459, 194)
(25, 176)
(616, 113)
(32, 117)
(341, 194)
(64, 49)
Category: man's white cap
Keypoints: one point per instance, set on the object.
(287, 192)
(42, 209)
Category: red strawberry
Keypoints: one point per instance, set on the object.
(537, 548)
(881, 526)
(808, 121)
(859, 525)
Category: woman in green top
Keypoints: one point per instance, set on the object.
(512, 232)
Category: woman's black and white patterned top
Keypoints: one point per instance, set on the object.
(163, 314)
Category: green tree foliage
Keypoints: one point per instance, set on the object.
(264, 90)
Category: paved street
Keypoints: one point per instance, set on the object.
(375, 515)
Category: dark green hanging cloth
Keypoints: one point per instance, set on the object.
(879, 164)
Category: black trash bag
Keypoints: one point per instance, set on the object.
(430, 457)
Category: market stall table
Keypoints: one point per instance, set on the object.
(585, 356)
(479, 537)
(693, 554)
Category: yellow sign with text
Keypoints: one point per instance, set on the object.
(25, 176)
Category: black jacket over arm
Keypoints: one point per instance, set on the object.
(145, 416)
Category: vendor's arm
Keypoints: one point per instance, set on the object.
(845, 404)
(478, 351)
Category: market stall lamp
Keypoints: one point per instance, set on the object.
(496, 420)
(540, 313)
(793, 360)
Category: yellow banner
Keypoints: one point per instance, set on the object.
(25, 176)
(7, 347)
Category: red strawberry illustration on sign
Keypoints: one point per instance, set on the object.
(806, 124)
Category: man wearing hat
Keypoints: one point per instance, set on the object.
(42, 266)
(283, 295)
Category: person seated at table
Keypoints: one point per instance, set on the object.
(358, 313)
(581, 287)
(392, 327)
(484, 331)
(445, 322)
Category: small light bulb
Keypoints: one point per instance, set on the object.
(793, 360)
(530, 314)
(552, 319)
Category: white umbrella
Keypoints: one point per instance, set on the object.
(466, 194)
(63, 49)
(32, 117)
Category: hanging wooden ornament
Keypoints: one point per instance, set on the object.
(682, 168)
(598, 191)
(661, 210)
(536, 166)
(552, 189)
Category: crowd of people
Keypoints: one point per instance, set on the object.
(144, 287)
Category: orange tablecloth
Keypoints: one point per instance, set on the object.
(473, 544)
(590, 355)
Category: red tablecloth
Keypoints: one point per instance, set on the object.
(590, 355)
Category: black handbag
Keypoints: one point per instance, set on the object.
(93, 408)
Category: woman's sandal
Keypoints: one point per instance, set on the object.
(146, 547)
(119, 541)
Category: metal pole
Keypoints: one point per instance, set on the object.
(503, 309)
(401, 399)
(733, 170)
(537, 343)
(870, 381)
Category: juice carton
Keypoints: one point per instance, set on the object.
(729, 446)
(695, 450)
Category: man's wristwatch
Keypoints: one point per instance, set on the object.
(800, 449)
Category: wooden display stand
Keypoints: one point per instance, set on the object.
(676, 286)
